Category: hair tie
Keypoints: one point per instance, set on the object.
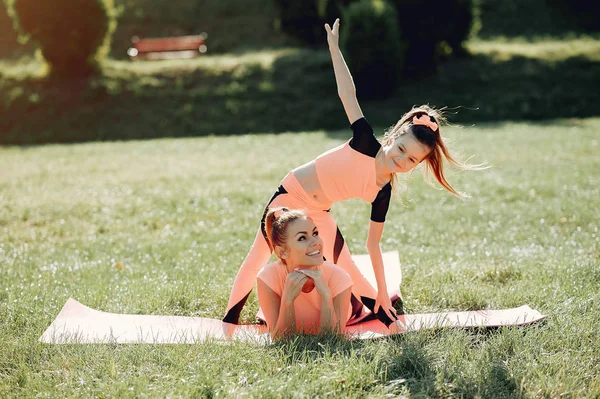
(278, 211)
(425, 120)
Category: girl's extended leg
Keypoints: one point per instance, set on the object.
(257, 257)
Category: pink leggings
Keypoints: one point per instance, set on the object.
(291, 195)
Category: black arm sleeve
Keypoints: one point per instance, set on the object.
(380, 206)
(363, 140)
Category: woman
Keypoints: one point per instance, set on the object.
(360, 168)
(301, 293)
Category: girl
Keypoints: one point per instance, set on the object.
(301, 293)
(360, 168)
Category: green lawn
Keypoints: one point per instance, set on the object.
(180, 214)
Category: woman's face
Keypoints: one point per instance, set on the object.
(404, 153)
(304, 246)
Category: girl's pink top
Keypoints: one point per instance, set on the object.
(307, 306)
(349, 171)
(346, 173)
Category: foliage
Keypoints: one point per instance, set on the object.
(426, 27)
(73, 35)
(304, 19)
(371, 44)
(583, 12)
(466, 23)
(290, 90)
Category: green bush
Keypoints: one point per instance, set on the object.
(426, 27)
(372, 46)
(304, 19)
(583, 12)
(73, 35)
(466, 23)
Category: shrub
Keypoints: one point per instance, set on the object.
(371, 42)
(73, 35)
(426, 27)
(465, 24)
(583, 12)
(304, 19)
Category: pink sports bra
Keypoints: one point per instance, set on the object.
(348, 171)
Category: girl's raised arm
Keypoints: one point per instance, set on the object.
(383, 299)
(345, 84)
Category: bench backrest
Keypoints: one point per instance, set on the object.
(169, 43)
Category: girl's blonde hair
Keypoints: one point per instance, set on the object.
(433, 140)
(277, 222)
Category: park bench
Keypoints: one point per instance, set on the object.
(167, 48)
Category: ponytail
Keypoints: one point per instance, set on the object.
(434, 161)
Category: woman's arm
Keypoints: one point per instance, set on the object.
(345, 84)
(328, 321)
(341, 304)
(279, 311)
(328, 316)
(279, 314)
(373, 240)
(334, 311)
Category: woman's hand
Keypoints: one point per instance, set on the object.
(320, 283)
(383, 301)
(333, 37)
(294, 282)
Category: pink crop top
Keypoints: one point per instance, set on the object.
(307, 306)
(348, 171)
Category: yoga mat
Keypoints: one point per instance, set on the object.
(77, 323)
(391, 269)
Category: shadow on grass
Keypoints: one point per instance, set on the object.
(530, 19)
(407, 362)
(404, 363)
(297, 93)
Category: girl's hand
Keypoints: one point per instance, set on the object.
(320, 283)
(294, 282)
(333, 37)
(383, 301)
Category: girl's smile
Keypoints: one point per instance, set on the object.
(404, 154)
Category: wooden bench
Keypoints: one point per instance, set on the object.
(167, 48)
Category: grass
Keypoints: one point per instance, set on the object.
(179, 215)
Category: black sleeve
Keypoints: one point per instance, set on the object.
(380, 206)
(363, 140)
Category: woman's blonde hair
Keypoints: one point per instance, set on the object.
(430, 138)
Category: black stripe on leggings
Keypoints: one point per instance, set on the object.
(338, 245)
(233, 316)
(263, 226)
(381, 315)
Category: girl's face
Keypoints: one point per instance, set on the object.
(304, 246)
(404, 153)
